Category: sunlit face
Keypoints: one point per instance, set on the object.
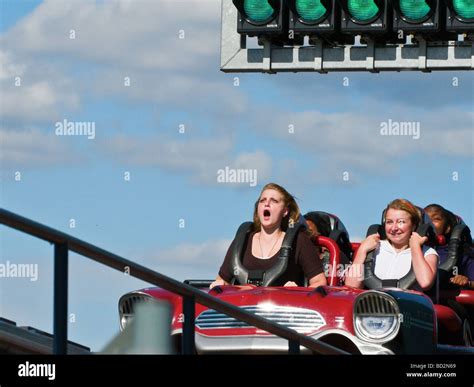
(439, 222)
(271, 208)
(398, 226)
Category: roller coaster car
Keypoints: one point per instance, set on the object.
(380, 320)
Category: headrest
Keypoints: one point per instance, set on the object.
(331, 226)
(325, 222)
(456, 219)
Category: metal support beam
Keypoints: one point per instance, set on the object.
(293, 347)
(188, 325)
(60, 298)
(192, 294)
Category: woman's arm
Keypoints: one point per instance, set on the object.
(317, 280)
(314, 282)
(225, 269)
(462, 281)
(218, 282)
(355, 273)
(424, 267)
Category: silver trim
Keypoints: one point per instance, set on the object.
(300, 319)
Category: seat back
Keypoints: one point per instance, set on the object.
(329, 225)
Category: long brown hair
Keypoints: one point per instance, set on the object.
(293, 210)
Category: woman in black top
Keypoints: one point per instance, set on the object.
(274, 208)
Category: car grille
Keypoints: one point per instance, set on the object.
(127, 306)
(375, 303)
(299, 319)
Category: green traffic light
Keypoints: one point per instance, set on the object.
(363, 10)
(464, 8)
(415, 10)
(258, 10)
(310, 10)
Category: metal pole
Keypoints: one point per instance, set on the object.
(293, 347)
(188, 325)
(60, 298)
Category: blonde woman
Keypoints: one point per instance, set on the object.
(402, 250)
(273, 210)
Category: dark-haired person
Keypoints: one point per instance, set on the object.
(318, 225)
(402, 250)
(444, 222)
(273, 210)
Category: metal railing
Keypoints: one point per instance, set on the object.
(63, 243)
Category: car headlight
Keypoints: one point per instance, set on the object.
(376, 317)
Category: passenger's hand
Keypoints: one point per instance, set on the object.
(218, 282)
(417, 240)
(370, 243)
(290, 283)
(459, 280)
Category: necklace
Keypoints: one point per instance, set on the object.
(260, 244)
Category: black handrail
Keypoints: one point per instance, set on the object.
(64, 243)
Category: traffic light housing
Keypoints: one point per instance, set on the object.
(314, 17)
(460, 16)
(286, 22)
(261, 17)
(367, 17)
(420, 17)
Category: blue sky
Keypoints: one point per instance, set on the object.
(173, 175)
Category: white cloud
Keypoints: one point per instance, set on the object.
(33, 92)
(207, 253)
(200, 158)
(114, 40)
(31, 147)
(190, 260)
(143, 34)
(205, 93)
(352, 141)
(8, 69)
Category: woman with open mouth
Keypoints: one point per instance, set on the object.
(274, 210)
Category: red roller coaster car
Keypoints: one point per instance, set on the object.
(381, 320)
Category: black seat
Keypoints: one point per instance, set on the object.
(459, 238)
(269, 277)
(331, 226)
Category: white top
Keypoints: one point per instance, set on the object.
(392, 265)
